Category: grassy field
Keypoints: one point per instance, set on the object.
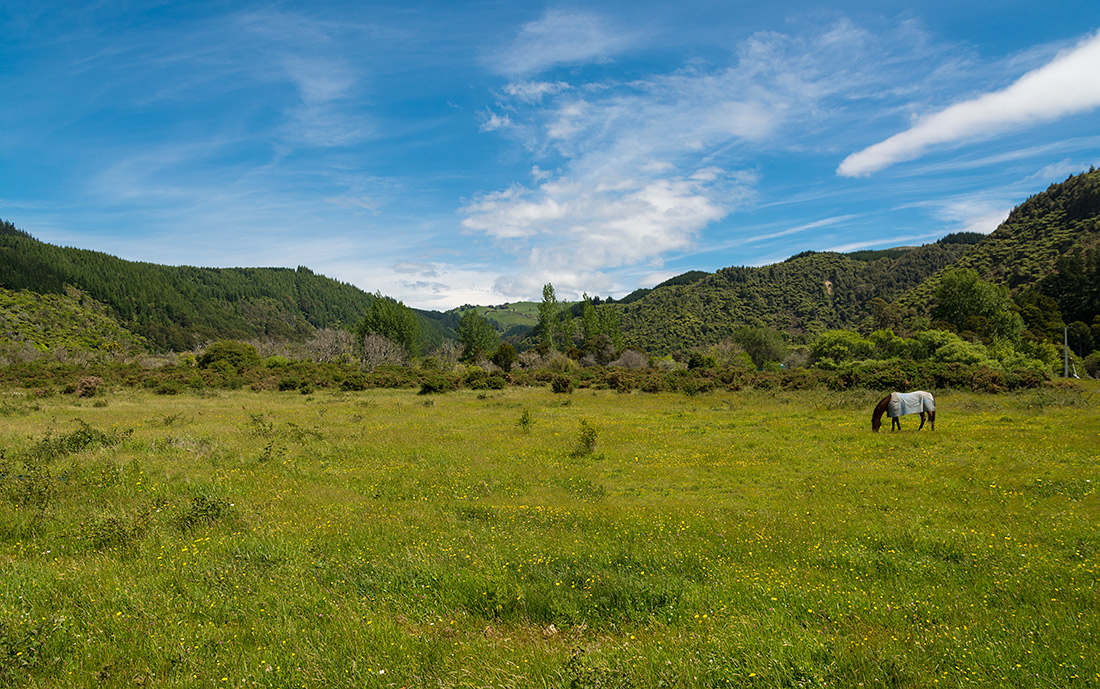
(520, 538)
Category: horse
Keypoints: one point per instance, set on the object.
(901, 403)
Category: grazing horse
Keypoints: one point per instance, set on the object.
(901, 403)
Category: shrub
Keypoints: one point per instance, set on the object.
(1092, 364)
(587, 434)
(562, 384)
(505, 357)
(88, 386)
(436, 384)
(289, 383)
(526, 421)
(236, 355)
(168, 387)
(631, 358)
(204, 509)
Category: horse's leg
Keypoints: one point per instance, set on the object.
(895, 424)
(932, 420)
(921, 421)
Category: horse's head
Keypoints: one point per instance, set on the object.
(876, 415)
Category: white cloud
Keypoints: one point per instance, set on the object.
(561, 38)
(534, 91)
(1065, 86)
(879, 243)
(817, 224)
(642, 167)
(972, 214)
(573, 229)
(1056, 172)
(491, 122)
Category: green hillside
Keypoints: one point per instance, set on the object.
(71, 321)
(504, 317)
(1041, 238)
(1049, 245)
(807, 293)
(179, 307)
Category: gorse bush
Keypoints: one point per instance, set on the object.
(562, 384)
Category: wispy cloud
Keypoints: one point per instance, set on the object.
(979, 213)
(817, 224)
(643, 166)
(534, 91)
(1065, 86)
(884, 243)
(561, 37)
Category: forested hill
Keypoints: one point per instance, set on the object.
(71, 321)
(179, 307)
(1049, 243)
(807, 293)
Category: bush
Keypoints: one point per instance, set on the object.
(631, 358)
(236, 355)
(587, 434)
(1092, 364)
(88, 386)
(562, 384)
(478, 379)
(436, 384)
(505, 357)
(168, 387)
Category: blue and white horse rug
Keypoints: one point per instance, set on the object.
(898, 404)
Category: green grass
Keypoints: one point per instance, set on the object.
(388, 539)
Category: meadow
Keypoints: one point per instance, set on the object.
(521, 538)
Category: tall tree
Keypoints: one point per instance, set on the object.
(965, 302)
(393, 320)
(590, 325)
(549, 314)
(764, 345)
(608, 317)
(478, 338)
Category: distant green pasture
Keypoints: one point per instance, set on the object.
(383, 538)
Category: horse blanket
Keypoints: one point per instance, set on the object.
(902, 403)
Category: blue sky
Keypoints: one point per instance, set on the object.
(469, 152)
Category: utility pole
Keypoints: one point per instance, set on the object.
(1065, 344)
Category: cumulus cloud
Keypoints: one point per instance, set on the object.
(561, 38)
(573, 229)
(1067, 85)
